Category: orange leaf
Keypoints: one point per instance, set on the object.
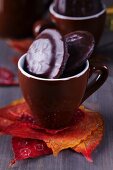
(83, 136)
(87, 146)
(71, 138)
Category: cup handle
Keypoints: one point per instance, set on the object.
(96, 83)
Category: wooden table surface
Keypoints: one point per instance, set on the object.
(101, 101)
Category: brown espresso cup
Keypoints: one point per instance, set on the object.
(53, 102)
(93, 24)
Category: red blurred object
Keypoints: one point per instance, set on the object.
(15, 59)
(20, 46)
(7, 78)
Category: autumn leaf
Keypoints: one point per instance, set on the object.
(110, 17)
(83, 135)
(87, 146)
(29, 148)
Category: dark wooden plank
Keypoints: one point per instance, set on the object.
(101, 101)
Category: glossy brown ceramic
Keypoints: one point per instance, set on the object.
(93, 24)
(18, 16)
(54, 101)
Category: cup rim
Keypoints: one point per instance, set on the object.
(52, 11)
(21, 63)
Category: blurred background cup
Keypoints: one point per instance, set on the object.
(18, 16)
(93, 24)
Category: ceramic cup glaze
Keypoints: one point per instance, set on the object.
(93, 24)
(54, 101)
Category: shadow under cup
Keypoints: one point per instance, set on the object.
(93, 24)
(53, 102)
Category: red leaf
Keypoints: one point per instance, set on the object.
(7, 78)
(29, 148)
(15, 111)
(83, 135)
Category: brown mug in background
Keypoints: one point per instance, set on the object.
(93, 24)
(54, 101)
(18, 16)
